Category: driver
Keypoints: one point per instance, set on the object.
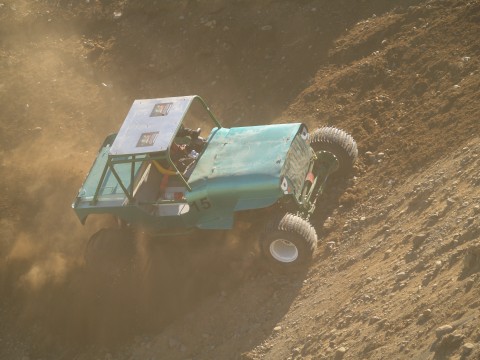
(194, 140)
(184, 151)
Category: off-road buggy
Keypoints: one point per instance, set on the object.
(160, 175)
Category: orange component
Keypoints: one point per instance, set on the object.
(310, 177)
(178, 195)
(164, 183)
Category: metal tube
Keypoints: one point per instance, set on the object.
(132, 174)
(215, 120)
(114, 172)
(102, 178)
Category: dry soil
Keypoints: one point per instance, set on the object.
(396, 274)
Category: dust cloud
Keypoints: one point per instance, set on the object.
(47, 286)
(44, 277)
(49, 294)
(71, 72)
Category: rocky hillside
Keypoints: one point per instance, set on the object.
(397, 271)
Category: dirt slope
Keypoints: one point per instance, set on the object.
(400, 251)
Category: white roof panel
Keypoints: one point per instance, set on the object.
(150, 125)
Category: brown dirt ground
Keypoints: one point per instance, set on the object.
(400, 251)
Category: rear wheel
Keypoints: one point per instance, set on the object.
(110, 288)
(339, 143)
(109, 254)
(288, 242)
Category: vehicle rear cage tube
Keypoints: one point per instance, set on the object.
(132, 174)
(132, 159)
(127, 193)
(207, 108)
(110, 165)
(112, 161)
(102, 178)
(179, 174)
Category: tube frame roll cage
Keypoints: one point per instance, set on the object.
(132, 159)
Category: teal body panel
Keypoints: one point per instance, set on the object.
(250, 150)
(240, 169)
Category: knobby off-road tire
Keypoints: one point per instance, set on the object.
(109, 255)
(339, 143)
(288, 242)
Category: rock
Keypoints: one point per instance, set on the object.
(210, 24)
(419, 239)
(411, 256)
(467, 348)
(329, 223)
(368, 252)
(266, 28)
(277, 328)
(296, 351)
(424, 316)
(450, 342)
(348, 319)
(340, 352)
(427, 313)
(469, 284)
(433, 218)
(442, 330)
(370, 156)
(471, 261)
(474, 304)
(400, 276)
(330, 245)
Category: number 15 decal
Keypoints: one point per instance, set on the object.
(202, 204)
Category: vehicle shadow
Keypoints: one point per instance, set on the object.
(337, 195)
(219, 306)
(209, 277)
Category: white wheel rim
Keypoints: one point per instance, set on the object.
(283, 250)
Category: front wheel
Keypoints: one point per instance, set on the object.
(288, 242)
(339, 143)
